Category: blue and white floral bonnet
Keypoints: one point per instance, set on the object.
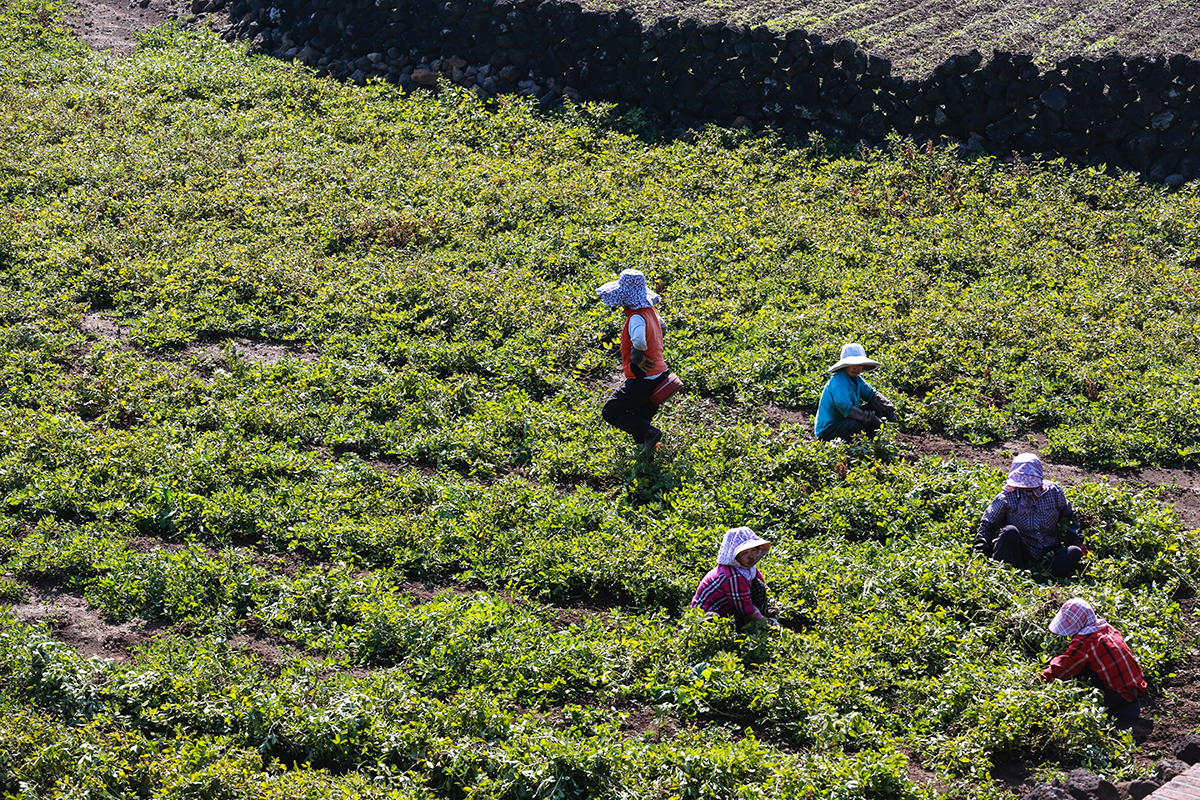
(629, 289)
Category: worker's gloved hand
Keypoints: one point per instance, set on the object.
(859, 414)
(864, 416)
(883, 407)
(640, 360)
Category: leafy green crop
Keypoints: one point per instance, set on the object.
(303, 382)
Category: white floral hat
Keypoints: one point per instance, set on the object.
(853, 354)
(738, 540)
(629, 289)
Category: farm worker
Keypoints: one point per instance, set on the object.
(841, 413)
(632, 405)
(1031, 521)
(1097, 655)
(735, 588)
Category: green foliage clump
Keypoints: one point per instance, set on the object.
(188, 586)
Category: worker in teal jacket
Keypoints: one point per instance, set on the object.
(849, 404)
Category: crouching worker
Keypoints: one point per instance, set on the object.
(1099, 656)
(849, 405)
(735, 588)
(633, 404)
(1031, 522)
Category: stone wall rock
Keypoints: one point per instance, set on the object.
(1187, 749)
(1140, 112)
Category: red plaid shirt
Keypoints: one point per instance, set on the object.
(725, 592)
(1106, 653)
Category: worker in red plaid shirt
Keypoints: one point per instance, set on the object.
(735, 588)
(1097, 654)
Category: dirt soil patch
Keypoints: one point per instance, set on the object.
(72, 621)
(259, 352)
(209, 354)
(649, 725)
(111, 24)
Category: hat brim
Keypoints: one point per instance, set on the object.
(868, 364)
(1026, 484)
(608, 291)
(750, 545)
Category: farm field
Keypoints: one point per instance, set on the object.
(917, 36)
(306, 494)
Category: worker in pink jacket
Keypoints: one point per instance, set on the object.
(735, 588)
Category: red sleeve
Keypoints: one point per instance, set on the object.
(1070, 663)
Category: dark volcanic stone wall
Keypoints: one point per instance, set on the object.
(1138, 113)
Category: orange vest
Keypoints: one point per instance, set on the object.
(654, 344)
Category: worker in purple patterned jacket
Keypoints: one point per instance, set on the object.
(1031, 522)
(630, 407)
(735, 588)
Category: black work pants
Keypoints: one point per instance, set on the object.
(630, 408)
(1010, 548)
(845, 427)
(1117, 705)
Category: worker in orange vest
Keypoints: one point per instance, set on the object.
(633, 404)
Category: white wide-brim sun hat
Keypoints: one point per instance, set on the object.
(853, 355)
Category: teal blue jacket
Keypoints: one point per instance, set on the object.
(840, 394)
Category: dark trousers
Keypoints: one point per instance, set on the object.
(629, 407)
(845, 428)
(1010, 548)
(1118, 706)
